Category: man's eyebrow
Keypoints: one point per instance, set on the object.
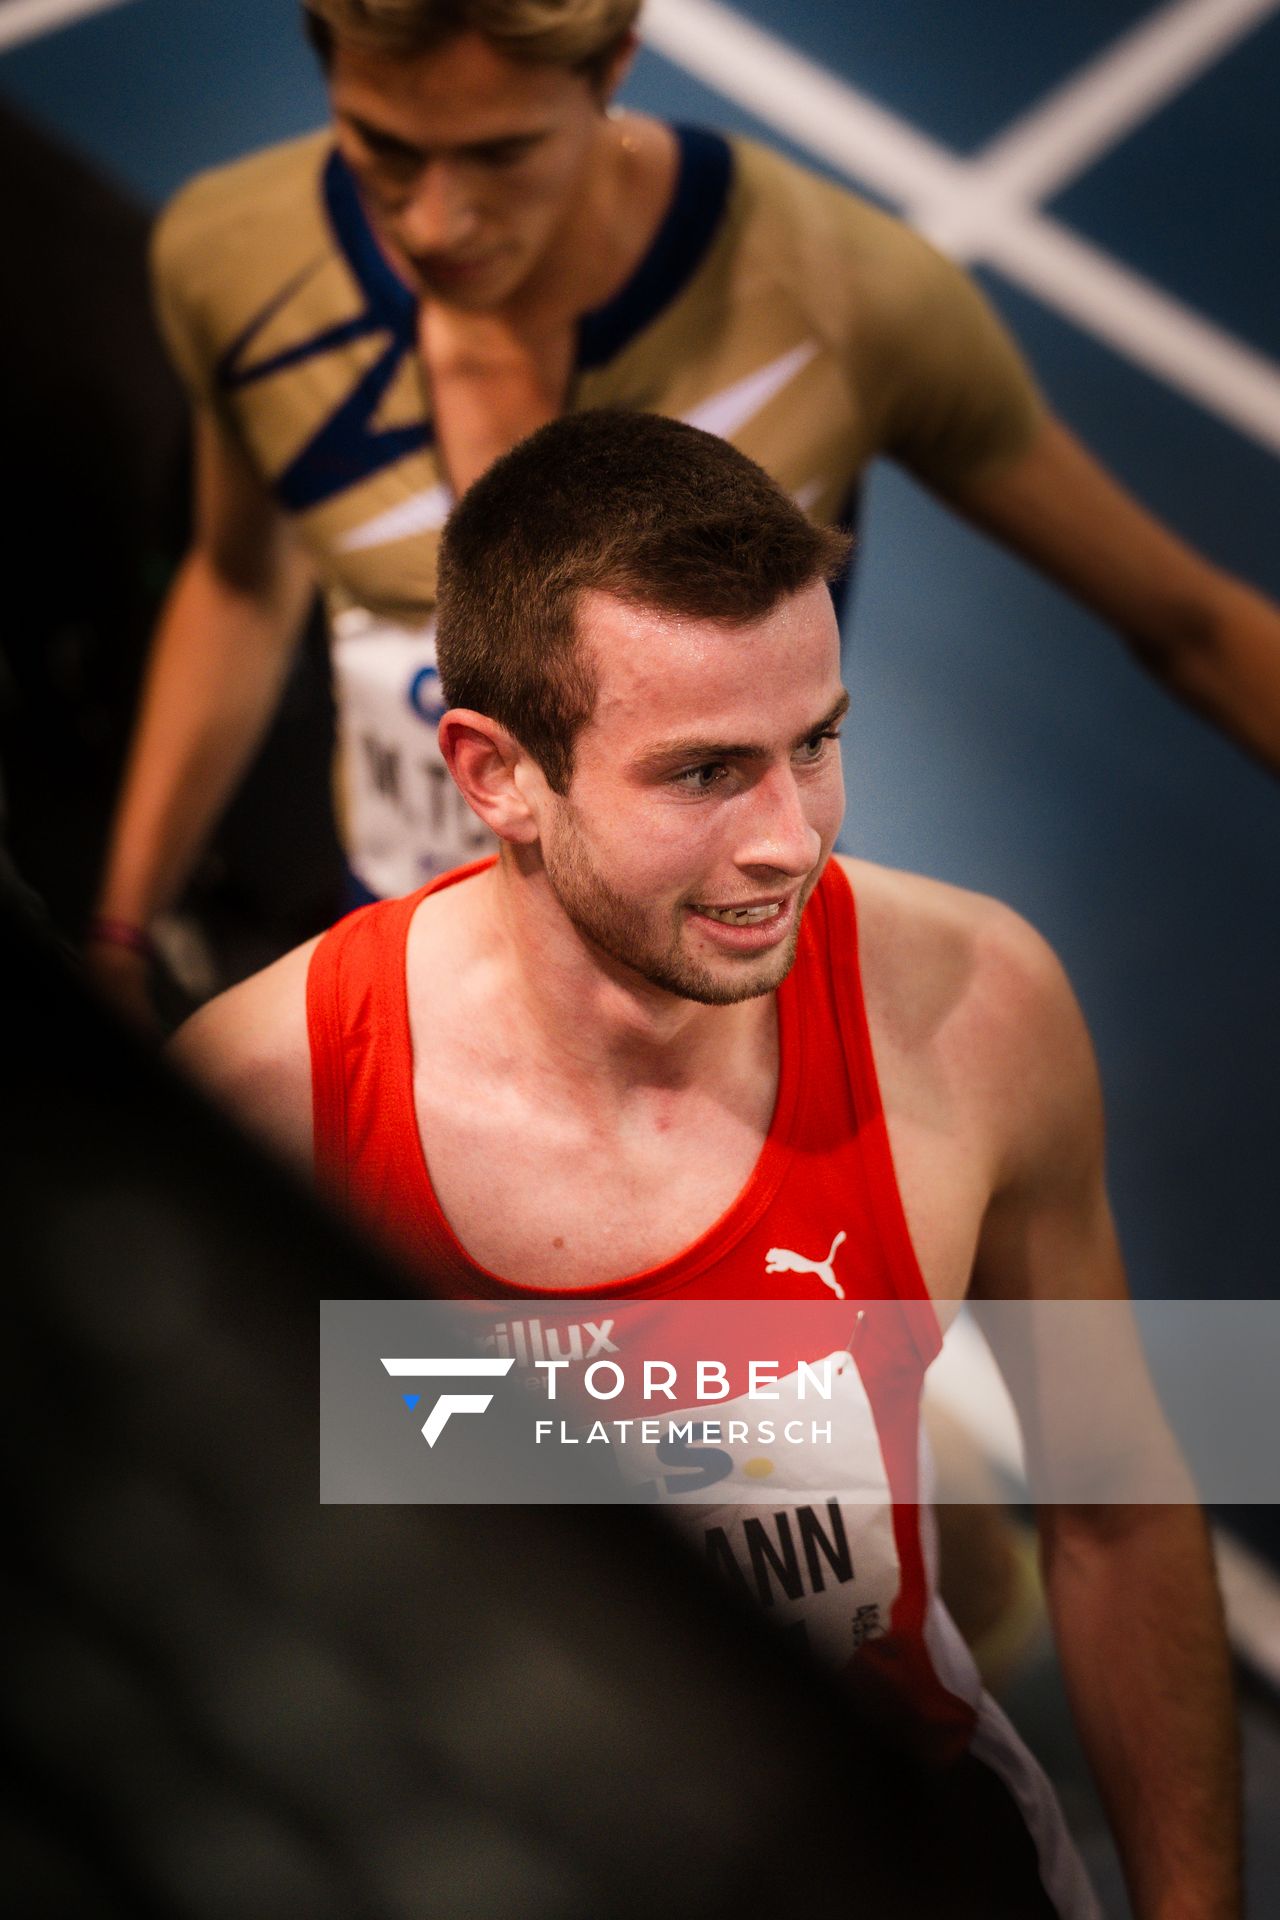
(834, 715)
(376, 136)
(691, 750)
(381, 136)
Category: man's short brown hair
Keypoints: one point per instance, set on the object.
(634, 505)
(570, 33)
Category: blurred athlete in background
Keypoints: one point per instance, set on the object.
(366, 318)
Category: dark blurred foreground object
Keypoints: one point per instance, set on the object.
(95, 430)
(228, 1700)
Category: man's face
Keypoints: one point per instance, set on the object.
(706, 796)
(470, 162)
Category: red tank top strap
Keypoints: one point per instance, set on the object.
(364, 1126)
(841, 954)
(358, 1022)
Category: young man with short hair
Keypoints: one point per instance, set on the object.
(665, 1035)
(366, 318)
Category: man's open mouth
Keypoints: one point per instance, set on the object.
(743, 916)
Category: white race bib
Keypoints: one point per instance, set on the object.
(405, 821)
(807, 1530)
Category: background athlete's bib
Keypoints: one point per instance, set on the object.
(404, 820)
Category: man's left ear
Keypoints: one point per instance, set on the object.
(483, 758)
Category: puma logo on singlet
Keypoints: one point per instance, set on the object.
(782, 1260)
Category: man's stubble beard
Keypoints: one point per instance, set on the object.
(623, 932)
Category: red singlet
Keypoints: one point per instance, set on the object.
(819, 1217)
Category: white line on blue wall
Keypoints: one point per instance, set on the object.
(1103, 101)
(30, 19)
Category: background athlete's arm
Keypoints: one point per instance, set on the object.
(1213, 641)
(219, 659)
(1131, 1589)
(961, 411)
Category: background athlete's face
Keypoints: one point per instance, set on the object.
(471, 163)
(706, 796)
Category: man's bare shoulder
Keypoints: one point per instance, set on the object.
(940, 944)
(959, 981)
(250, 1050)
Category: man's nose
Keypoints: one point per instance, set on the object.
(780, 835)
(439, 215)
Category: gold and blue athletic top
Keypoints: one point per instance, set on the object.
(774, 308)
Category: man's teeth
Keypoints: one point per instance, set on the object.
(742, 916)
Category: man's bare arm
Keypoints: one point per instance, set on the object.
(220, 655)
(249, 1049)
(1131, 1589)
(1212, 640)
